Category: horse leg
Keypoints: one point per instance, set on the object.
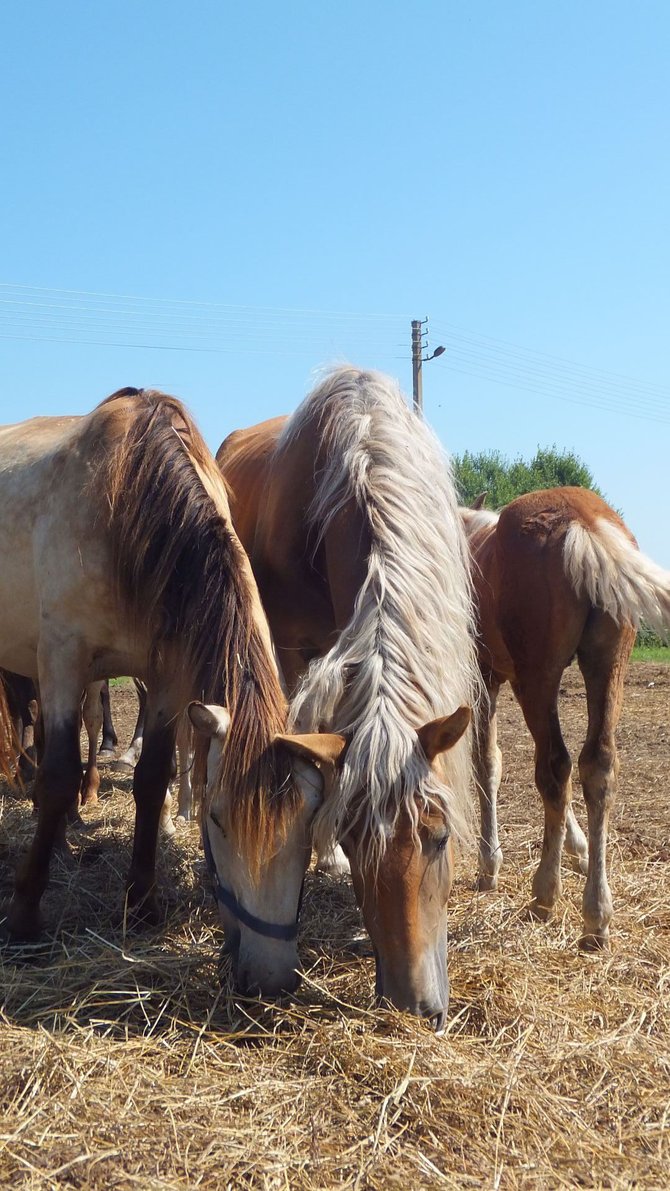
(538, 697)
(110, 740)
(132, 754)
(92, 716)
(603, 657)
(334, 862)
(576, 844)
(185, 762)
(56, 789)
(150, 784)
(488, 772)
(28, 758)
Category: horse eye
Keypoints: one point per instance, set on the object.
(217, 824)
(441, 842)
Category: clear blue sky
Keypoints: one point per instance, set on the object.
(503, 168)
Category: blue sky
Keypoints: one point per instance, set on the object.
(269, 188)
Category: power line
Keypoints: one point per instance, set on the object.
(565, 395)
(101, 319)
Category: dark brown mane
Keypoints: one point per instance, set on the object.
(181, 572)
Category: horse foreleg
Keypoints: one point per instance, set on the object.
(488, 773)
(110, 740)
(150, 785)
(56, 788)
(92, 716)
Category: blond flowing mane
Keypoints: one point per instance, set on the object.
(407, 655)
(182, 574)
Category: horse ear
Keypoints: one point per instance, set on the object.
(480, 501)
(315, 750)
(321, 748)
(209, 719)
(439, 735)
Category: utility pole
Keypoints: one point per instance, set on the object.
(417, 353)
(418, 359)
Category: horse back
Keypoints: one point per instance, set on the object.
(245, 461)
(539, 611)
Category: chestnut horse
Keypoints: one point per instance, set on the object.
(557, 573)
(127, 563)
(348, 512)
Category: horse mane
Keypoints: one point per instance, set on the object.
(407, 655)
(183, 575)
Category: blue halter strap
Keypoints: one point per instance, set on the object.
(225, 897)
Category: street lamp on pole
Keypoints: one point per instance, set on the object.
(418, 359)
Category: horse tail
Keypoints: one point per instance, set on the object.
(604, 562)
(10, 746)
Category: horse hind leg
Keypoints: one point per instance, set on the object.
(150, 785)
(576, 844)
(128, 761)
(488, 774)
(553, 768)
(185, 810)
(110, 740)
(603, 657)
(92, 717)
(333, 861)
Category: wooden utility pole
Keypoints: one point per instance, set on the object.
(417, 352)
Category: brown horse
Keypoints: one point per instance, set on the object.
(349, 514)
(557, 573)
(127, 563)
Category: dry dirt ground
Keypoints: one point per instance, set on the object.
(125, 1063)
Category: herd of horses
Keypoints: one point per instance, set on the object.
(327, 632)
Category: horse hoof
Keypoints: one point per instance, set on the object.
(24, 923)
(535, 912)
(121, 766)
(579, 864)
(142, 914)
(487, 882)
(168, 828)
(595, 942)
(106, 755)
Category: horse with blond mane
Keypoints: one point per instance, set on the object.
(119, 557)
(558, 574)
(349, 514)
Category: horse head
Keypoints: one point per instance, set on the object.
(258, 868)
(403, 886)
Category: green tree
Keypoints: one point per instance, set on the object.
(504, 479)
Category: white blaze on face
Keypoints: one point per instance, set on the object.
(263, 962)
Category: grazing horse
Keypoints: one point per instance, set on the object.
(557, 573)
(127, 563)
(348, 512)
